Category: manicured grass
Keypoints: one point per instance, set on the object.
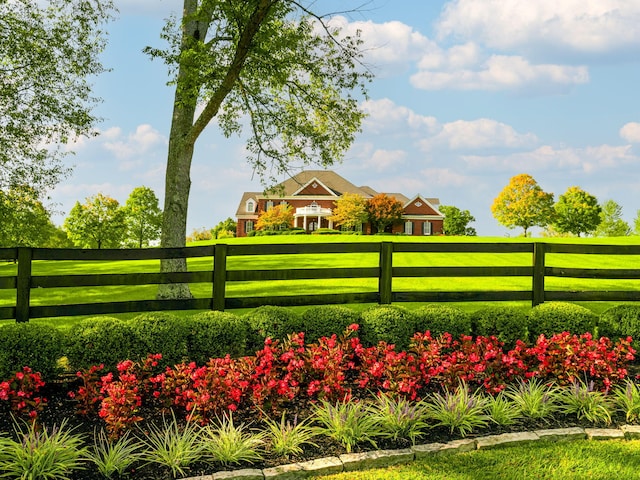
(307, 287)
(579, 460)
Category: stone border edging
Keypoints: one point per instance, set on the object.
(385, 458)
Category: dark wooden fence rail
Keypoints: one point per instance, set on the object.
(24, 282)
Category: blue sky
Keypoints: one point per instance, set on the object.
(467, 94)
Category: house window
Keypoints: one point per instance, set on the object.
(408, 228)
(284, 203)
(313, 226)
(251, 206)
(269, 205)
(248, 226)
(426, 228)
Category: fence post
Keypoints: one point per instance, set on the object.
(219, 276)
(386, 273)
(23, 284)
(539, 250)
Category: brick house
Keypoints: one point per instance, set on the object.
(312, 194)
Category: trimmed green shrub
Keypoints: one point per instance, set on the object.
(557, 317)
(97, 340)
(325, 320)
(507, 323)
(159, 332)
(271, 321)
(619, 322)
(215, 334)
(439, 319)
(30, 344)
(389, 323)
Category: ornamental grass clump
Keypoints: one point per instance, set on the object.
(582, 400)
(114, 457)
(399, 418)
(535, 400)
(459, 409)
(627, 399)
(173, 445)
(285, 438)
(228, 443)
(41, 453)
(348, 423)
(502, 411)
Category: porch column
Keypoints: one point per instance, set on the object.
(304, 222)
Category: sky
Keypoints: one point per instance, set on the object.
(466, 95)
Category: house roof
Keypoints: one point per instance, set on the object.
(326, 178)
(332, 180)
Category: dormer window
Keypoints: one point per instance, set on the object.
(251, 206)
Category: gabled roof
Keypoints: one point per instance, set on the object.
(431, 203)
(329, 179)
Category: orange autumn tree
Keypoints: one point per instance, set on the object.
(279, 217)
(523, 203)
(384, 210)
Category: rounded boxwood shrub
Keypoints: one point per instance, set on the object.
(30, 344)
(509, 324)
(99, 340)
(557, 317)
(271, 321)
(619, 322)
(159, 332)
(439, 319)
(325, 320)
(215, 334)
(387, 323)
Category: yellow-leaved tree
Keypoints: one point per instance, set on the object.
(350, 211)
(279, 217)
(523, 203)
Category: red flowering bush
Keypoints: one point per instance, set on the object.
(568, 358)
(335, 367)
(21, 392)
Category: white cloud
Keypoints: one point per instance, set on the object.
(138, 143)
(387, 46)
(445, 177)
(384, 116)
(478, 134)
(584, 26)
(498, 72)
(631, 132)
(382, 160)
(587, 160)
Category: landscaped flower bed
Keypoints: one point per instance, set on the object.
(293, 400)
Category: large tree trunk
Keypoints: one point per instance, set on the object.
(177, 177)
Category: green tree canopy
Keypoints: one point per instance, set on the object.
(611, 222)
(456, 221)
(26, 222)
(98, 223)
(225, 228)
(384, 210)
(350, 211)
(576, 212)
(48, 52)
(143, 217)
(522, 203)
(275, 63)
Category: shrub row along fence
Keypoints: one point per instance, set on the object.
(219, 276)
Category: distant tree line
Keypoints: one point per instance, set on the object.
(523, 204)
(99, 222)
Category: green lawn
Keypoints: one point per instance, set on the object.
(307, 287)
(579, 460)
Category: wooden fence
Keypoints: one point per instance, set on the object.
(385, 271)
